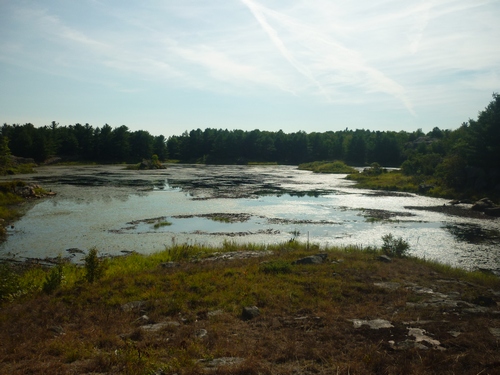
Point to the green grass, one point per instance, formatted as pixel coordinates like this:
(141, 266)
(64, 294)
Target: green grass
(162, 224)
(393, 180)
(327, 167)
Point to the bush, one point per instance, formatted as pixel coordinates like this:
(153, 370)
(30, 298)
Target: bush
(93, 266)
(396, 247)
(9, 282)
(54, 279)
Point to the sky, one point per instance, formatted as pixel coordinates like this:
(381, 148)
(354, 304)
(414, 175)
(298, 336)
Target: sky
(169, 66)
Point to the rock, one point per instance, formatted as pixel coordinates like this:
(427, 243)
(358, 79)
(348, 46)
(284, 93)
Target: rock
(388, 285)
(384, 258)
(482, 205)
(373, 324)
(407, 344)
(142, 319)
(201, 333)
(250, 312)
(134, 305)
(313, 259)
(217, 362)
(58, 330)
(159, 326)
(455, 333)
(495, 332)
(214, 313)
(420, 336)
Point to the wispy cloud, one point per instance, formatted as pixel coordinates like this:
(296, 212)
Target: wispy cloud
(321, 59)
(406, 56)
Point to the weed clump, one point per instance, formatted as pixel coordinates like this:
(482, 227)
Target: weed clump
(276, 267)
(396, 247)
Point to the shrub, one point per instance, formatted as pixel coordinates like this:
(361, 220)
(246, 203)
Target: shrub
(93, 266)
(396, 247)
(54, 279)
(9, 282)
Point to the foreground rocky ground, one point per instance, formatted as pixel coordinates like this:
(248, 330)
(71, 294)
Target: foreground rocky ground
(283, 311)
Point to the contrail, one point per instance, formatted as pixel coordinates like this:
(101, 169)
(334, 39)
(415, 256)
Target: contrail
(273, 35)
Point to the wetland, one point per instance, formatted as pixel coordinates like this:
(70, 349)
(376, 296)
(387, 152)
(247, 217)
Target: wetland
(119, 211)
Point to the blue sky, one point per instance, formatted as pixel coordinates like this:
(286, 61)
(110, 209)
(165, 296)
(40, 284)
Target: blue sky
(168, 66)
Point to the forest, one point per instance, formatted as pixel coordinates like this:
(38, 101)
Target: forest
(465, 158)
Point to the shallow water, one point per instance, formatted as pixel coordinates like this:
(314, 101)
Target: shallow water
(116, 211)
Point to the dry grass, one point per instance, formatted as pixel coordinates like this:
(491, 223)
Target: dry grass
(304, 326)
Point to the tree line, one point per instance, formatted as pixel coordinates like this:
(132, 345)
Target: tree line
(467, 157)
(82, 143)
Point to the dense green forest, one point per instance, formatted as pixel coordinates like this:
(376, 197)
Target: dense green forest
(467, 158)
(82, 143)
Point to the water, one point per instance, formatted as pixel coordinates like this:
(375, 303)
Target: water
(116, 210)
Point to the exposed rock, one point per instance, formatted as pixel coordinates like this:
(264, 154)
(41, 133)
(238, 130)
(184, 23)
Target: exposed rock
(142, 319)
(420, 337)
(232, 255)
(159, 326)
(134, 305)
(482, 204)
(384, 258)
(150, 164)
(215, 313)
(373, 324)
(58, 330)
(407, 344)
(201, 333)
(218, 362)
(312, 259)
(250, 312)
(388, 285)
(495, 332)
(487, 206)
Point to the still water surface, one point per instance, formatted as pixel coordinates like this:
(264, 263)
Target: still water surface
(116, 211)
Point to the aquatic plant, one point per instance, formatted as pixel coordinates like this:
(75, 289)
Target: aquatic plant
(162, 224)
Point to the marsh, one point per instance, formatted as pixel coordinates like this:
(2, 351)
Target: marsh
(118, 211)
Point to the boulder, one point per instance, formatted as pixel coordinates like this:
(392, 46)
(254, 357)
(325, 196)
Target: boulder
(250, 312)
(487, 206)
(482, 205)
(312, 259)
(385, 259)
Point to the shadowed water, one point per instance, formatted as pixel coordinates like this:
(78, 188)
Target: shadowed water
(118, 211)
